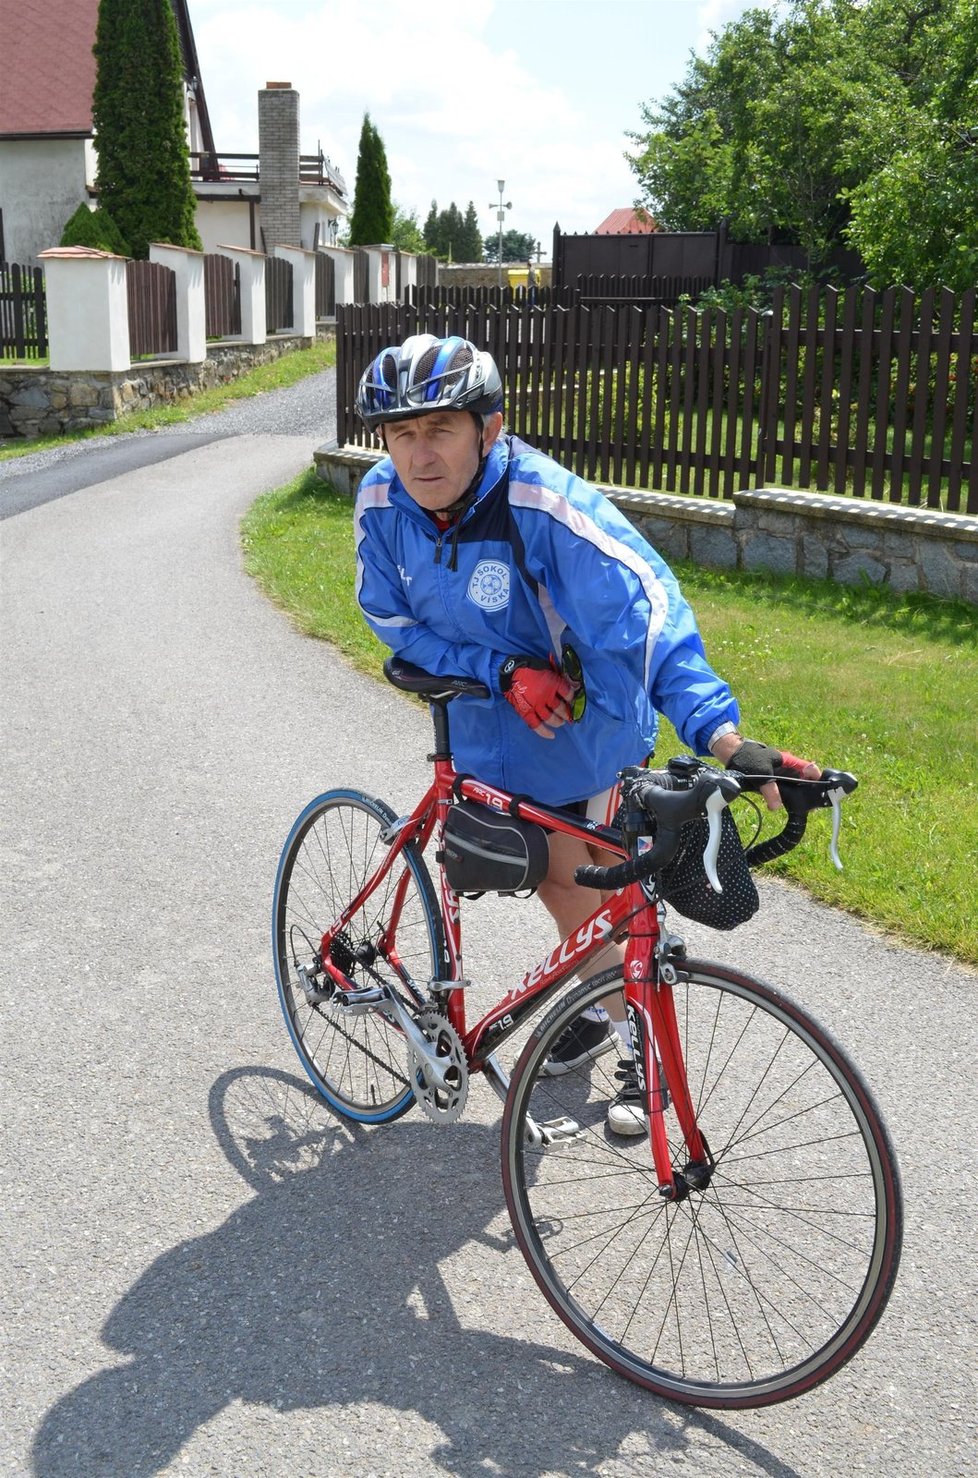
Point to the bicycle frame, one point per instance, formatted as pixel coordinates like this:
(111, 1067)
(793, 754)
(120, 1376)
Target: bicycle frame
(630, 914)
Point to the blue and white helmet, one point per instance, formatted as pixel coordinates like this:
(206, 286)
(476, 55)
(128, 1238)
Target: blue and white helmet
(425, 374)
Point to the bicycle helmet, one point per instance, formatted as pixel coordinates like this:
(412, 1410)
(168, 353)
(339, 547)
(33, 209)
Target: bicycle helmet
(426, 374)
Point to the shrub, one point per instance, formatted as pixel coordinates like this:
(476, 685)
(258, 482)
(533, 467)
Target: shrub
(94, 228)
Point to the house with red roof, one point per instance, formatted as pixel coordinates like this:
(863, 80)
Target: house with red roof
(48, 159)
(626, 221)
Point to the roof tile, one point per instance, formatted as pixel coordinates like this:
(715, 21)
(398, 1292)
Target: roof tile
(47, 74)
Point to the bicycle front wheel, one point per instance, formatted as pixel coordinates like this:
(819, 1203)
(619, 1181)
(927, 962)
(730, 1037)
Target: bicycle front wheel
(357, 1062)
(754, 1288)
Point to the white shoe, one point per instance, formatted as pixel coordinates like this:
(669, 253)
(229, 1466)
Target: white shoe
(626, 1115)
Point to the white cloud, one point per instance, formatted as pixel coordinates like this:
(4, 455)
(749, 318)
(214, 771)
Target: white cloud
(457, 103)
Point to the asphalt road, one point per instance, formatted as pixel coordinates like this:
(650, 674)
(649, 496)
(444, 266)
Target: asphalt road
(205, 1272)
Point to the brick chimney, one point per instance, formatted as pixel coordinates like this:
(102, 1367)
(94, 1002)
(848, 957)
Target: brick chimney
(278, 164)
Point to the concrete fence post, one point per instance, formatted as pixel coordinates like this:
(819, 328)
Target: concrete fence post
(253, 318)
(303, 288)
(188, 268)
(88, 308)
(343, 260)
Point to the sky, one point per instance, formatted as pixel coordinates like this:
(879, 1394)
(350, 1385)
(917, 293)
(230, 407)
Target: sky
(539, 93)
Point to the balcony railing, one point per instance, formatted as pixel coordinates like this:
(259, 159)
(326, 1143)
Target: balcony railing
(314, 169)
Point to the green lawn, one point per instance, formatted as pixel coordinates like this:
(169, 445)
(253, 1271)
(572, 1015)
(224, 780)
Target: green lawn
(878, 684)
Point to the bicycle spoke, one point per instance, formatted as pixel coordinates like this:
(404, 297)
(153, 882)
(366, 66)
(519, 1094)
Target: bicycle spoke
(755, 1286)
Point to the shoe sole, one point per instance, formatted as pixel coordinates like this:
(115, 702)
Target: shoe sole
(552, 1069)
(632, 1132)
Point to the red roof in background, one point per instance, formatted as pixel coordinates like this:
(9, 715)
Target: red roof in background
(47, 70)
(626, 222)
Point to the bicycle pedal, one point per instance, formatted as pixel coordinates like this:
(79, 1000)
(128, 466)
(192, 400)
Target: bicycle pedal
(558, 1131)
(361, 1000)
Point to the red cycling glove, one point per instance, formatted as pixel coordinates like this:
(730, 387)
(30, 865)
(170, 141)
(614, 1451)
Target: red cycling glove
(536, 689)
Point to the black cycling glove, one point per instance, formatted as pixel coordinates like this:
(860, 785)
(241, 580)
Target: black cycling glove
(753, 758)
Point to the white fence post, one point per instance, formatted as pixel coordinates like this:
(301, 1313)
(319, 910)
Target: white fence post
(343, 260)
(303, 288)
(254, 321)
(188, 269)
(88, 308)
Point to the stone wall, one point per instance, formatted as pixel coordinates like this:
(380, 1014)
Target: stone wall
(38, 401)
(785, 532)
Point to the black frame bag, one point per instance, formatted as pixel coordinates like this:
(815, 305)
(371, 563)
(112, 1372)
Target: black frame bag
(486, 851)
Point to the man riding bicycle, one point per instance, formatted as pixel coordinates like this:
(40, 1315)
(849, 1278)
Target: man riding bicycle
(478, 555)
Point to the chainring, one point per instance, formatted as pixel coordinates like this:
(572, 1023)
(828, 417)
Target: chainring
(441, 1105)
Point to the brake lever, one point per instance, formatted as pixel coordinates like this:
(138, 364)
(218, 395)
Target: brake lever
(715, 803)
(838, 784)
(835, 798)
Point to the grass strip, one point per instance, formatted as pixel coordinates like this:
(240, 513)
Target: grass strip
(278, 374)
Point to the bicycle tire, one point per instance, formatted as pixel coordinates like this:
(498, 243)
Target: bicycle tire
(754, 1289)
(358, 1062)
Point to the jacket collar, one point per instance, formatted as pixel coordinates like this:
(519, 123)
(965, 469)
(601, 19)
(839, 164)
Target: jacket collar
(495, 466)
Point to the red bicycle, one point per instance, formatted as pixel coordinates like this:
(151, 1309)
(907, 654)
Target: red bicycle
(742, 1250)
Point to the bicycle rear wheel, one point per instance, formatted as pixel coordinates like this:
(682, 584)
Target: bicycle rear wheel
(357, 1062)
(757, 1287)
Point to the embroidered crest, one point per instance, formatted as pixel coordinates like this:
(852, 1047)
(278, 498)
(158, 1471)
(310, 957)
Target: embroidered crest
(489, 586)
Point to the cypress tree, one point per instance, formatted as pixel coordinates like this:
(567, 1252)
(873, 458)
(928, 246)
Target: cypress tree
(143, 176)
(430, 233)
(372, 220)
(470, 248)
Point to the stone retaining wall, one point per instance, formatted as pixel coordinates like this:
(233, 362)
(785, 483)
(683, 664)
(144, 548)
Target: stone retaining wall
(38, 401)
(788, 533)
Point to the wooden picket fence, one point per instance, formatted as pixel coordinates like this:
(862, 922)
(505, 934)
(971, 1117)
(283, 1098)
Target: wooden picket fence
(869, 394)
(23, 312)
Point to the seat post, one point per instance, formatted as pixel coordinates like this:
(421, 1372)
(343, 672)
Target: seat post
(439, 717)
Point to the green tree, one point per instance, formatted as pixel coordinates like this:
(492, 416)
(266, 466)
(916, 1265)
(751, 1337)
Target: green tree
(143, 178)
(372, 220)
(430, 232)
(470, 245)
(405, 233)
(451, 236)
(913, 210)
(518, 246)
(94, 228)
(830, 123)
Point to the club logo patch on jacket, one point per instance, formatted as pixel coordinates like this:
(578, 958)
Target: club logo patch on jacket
(489, 585)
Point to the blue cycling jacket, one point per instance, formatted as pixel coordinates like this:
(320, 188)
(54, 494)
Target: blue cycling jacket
(543, 560)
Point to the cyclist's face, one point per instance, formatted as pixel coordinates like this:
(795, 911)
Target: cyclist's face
(437, 456)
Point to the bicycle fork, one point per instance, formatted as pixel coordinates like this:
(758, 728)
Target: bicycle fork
(659, 1063)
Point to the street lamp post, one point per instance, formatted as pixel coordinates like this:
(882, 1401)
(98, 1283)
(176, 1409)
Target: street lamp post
(501, 206)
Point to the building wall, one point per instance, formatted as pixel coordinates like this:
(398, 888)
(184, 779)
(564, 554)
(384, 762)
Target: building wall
(34, 218)
(225, 223)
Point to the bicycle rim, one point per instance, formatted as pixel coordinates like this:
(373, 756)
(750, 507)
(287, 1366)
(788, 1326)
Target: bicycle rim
(754, 1289)
(357, 1062)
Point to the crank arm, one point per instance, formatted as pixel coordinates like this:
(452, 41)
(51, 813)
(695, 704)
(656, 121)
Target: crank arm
(436, 1068)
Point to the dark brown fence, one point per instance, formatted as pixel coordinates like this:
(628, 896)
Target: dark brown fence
(699, 254)
(609, 288)
(152, 290)
(279, 313)
(23, 312)
(664, 291)
(222, 296)
(325, 286)
(862, 393)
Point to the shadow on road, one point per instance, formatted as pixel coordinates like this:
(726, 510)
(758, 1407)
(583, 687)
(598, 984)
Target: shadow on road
(323, 1291)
